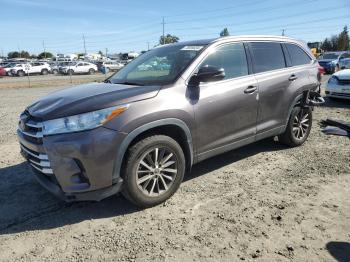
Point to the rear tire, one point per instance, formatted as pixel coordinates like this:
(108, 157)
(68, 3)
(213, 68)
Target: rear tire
(298, 127)
(154, 169)
(91, 71)
(44, 72)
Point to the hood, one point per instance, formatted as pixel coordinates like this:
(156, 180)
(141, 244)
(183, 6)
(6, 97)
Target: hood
(88, 97)
(343, 74)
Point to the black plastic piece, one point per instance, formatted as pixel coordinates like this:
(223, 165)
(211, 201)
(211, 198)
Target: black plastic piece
(311, 98)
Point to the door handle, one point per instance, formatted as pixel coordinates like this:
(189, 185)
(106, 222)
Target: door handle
(250, 89)
(293, 77)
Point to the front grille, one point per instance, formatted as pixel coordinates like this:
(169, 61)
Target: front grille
(31, 128)
(340, 94)
(344, 82)
(39, 161)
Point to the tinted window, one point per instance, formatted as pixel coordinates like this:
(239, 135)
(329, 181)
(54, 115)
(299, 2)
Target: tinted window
(346, 55)
(231, 57)
(267, 56)
(297, 55)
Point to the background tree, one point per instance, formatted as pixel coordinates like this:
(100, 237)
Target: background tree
(100, 53)
(45, 55)
(13, 54)
(168, 39)
(224, 32)
(343, 40)
(326, 45)
(25, 54)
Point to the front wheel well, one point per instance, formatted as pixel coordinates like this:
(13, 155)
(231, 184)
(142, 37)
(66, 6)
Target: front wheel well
(173, 131)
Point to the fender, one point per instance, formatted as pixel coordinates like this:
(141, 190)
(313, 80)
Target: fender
(130, 137)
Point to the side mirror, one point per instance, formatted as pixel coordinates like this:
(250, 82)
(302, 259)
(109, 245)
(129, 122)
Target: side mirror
(207, 74)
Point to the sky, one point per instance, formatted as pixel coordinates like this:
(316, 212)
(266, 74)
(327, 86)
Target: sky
(125, 25)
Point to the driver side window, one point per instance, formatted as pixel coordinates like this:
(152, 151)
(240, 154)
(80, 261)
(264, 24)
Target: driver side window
(231, 57)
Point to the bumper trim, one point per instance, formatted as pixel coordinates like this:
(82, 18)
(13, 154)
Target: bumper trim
(96, 195)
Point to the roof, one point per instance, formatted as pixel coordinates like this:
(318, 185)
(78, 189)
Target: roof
(237, 38)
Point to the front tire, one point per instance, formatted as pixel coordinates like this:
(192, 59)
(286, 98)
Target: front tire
(154, 170)
(298, 127)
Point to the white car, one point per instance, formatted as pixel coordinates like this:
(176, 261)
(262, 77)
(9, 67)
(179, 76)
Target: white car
(338, 85)
(112, 65)
(31, 68)
(79, 68)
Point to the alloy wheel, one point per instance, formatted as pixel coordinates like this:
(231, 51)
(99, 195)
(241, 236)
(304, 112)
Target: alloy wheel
(301, 124)
(156, 171)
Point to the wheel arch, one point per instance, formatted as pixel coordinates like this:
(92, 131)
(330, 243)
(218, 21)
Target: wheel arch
(172, 127)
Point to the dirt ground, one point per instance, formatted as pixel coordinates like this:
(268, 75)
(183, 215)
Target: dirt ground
(262, 202)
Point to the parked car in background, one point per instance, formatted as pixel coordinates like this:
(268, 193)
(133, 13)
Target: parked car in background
(138, 132)
(2, 72)
(338, 85)
(81, 67)
(55, 67)
(110, 65)
(31, 68)
(9, 67)
(330, 60)
(344, 63)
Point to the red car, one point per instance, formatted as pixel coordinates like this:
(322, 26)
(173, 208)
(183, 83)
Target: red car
(321, 70)
(2, 72)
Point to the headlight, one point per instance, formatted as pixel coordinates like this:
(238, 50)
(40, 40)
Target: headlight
(82, 122)
(333, 80)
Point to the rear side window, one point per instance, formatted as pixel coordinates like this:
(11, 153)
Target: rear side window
(297, 55)
(267, 56)
(230, 57)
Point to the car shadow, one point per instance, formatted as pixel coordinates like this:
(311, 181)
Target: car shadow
(336, 103)
(339, 250)
(26, 206)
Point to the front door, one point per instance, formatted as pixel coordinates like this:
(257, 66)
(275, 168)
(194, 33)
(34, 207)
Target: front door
(226, 110)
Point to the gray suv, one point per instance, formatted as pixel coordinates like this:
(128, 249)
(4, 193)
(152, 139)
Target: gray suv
(172, 107)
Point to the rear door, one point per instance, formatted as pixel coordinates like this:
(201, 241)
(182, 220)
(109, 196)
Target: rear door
(274, 80)
(226, 110)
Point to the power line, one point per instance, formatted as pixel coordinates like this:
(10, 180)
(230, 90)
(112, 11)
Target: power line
(270, 8)
(259, 20)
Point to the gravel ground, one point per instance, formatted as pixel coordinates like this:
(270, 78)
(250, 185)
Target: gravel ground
(263, 202)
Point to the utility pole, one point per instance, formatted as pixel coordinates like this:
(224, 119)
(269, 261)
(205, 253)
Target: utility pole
(147, 46)
(163, 23)
(44, 49)
(106, 52)
(282, 32)
(84, 44)
(19, 52)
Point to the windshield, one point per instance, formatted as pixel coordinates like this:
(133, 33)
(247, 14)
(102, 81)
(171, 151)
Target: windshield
(329, 56)
(158, 66)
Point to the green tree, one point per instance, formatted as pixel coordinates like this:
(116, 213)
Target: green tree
(224, 32)
(326, 45)
(100, 53)
(334, 43)
(168, 39)
(25, 54)
(45, 55)
(343, 40)
(13, 54)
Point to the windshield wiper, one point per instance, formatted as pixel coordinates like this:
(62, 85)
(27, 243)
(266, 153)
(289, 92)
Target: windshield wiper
(128, 83)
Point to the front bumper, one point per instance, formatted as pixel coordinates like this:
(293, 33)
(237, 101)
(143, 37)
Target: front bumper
(76, 166)
(338, 91)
